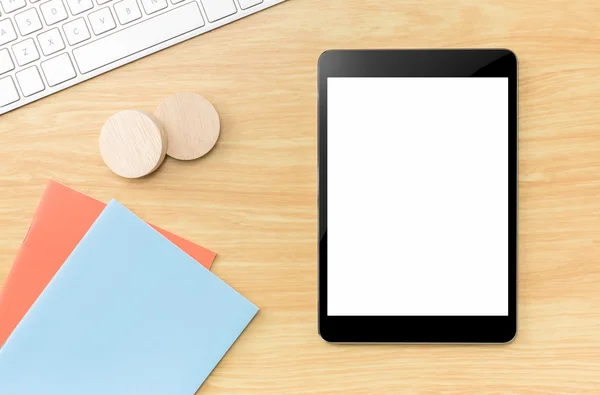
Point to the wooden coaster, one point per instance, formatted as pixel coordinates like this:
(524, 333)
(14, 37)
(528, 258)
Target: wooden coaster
(192, 125)
(133, 143)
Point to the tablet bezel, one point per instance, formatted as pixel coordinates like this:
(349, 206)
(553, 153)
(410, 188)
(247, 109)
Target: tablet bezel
(418, 63)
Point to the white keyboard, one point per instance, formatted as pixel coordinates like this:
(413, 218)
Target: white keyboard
(50, 45)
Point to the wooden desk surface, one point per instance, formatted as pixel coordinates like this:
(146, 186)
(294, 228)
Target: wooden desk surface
(253, 199)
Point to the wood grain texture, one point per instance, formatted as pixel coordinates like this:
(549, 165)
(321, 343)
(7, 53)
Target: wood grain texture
(253, 198)
(192, 125)
(133, 143)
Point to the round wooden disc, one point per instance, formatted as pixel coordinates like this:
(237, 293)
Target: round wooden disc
(133, 144)
(192, 125)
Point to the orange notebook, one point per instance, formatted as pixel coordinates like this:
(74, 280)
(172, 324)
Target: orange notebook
(61, 220)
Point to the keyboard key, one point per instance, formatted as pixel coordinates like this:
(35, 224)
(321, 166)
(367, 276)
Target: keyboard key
(245, 4)
(53, 11)
(102, 21)
(51, 42)
(6, 63)
(7, 32)
(176, 1)
(127, 11)
(30, 81)
(58, 69)
(79, 6)
(218, 9)
(25, 52)
(28, 21)
(76, 31)
(138, 37)
(8, 91)
(152, 6)
(12, 5)
(33, 1)
(100, 2)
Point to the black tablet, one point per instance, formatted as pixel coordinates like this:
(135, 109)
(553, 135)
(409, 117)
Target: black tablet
(418, 196)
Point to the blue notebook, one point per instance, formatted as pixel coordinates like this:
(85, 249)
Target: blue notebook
(128, 313)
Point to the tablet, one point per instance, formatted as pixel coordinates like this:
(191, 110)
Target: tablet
(418, 196)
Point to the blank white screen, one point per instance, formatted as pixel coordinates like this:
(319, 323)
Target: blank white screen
(417, 191)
